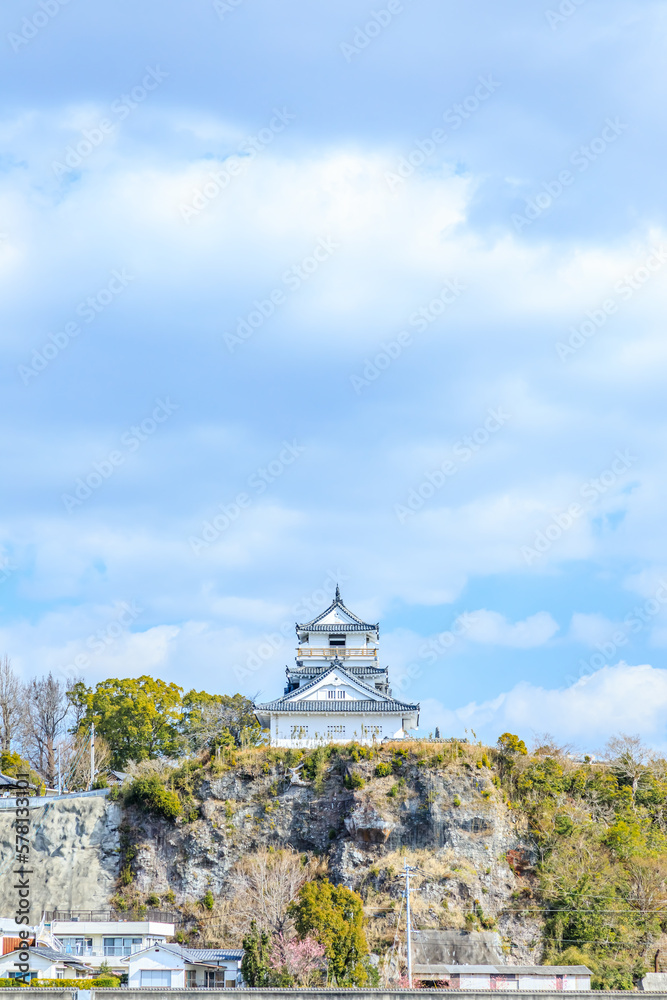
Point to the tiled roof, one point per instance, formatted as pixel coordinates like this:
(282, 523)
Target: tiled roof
(213, 954)
(292, 702)
(328, 707)
(334, 613)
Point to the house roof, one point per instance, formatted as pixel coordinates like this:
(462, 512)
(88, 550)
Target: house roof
(505, 970)
(51, 955)
(200, 956)
(6, 781)
(375, 703)
(337, 618)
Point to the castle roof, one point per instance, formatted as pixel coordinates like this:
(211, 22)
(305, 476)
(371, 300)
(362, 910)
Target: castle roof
(337, 618)
(369, 701)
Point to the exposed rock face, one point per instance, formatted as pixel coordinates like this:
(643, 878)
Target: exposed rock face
(366, 824)
(456, 820)
(74, 854)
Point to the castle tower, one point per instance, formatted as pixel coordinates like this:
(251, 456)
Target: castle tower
(337, 691)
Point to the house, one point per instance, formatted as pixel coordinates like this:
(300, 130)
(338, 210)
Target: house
(43, 963)
(107, 941)
(337, 691)
(171, 966)
(506, 977)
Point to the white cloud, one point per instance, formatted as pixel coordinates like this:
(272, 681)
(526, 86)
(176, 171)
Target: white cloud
(590, 629)
(614, 699)
(492, 628)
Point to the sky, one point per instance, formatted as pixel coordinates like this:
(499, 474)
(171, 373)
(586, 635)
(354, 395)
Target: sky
(301, 294)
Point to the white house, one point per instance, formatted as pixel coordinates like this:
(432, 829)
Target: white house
(107, 942)
(171, 966)
(43, 963)
(337, 691)
(506, 977)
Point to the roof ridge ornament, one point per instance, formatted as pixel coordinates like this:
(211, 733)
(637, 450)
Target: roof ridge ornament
(338, 599)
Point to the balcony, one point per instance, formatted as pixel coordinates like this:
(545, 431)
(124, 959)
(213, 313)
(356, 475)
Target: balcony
(329, 652)
(86, 951)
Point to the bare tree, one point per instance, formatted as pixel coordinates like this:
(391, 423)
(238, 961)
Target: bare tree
(630, 760)
(265, 883)
(47, 711)
(12, 705)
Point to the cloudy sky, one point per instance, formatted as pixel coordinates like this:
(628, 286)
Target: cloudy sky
(302, 293)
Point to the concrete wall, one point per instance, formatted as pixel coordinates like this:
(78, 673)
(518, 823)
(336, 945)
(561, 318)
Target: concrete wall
(129, 994)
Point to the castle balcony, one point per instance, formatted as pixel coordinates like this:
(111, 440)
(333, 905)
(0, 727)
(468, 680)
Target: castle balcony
(342, 652)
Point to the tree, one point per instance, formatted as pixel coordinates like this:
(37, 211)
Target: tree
(630, 761)
(255, 962)
(333, 915)
(138, 717)
(265, 883)
(215, 719)
(47, 711)
(297, 962)
(11, 705)
(508, 743)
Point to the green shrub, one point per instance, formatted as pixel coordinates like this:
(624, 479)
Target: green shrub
(208, 901)
(151, 795)
(382, 770)
(353, 781)
(456, 801)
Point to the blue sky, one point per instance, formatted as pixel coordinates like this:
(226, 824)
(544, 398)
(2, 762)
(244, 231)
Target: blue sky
(296, 293)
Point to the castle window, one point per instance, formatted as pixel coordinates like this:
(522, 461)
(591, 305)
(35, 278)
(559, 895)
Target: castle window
(336, 640)
(335, 730)
(335, 694)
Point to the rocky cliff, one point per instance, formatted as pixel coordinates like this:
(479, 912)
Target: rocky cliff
(447, 817)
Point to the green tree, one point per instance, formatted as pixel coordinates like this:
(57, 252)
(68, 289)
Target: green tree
(333, 915)
(211, 720)
(150, 794)
(257, 952)
(508, 743)
(138, 717)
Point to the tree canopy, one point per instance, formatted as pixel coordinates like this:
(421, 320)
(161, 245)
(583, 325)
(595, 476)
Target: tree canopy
(333, 915)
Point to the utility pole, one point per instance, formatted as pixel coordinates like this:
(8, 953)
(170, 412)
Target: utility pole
(407, 915)
(92, 754)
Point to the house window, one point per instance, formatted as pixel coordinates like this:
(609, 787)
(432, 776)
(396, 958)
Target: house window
(77, 945)
(190, 978)
(336, 640)
(156, 978)
(119, 946)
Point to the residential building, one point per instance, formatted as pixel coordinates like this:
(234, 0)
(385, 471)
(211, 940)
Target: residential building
(172, 966)
(45, 963)
(337, 691)
(505, 977)
(107, 939)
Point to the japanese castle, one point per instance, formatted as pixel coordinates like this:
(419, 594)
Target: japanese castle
(337, 691)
